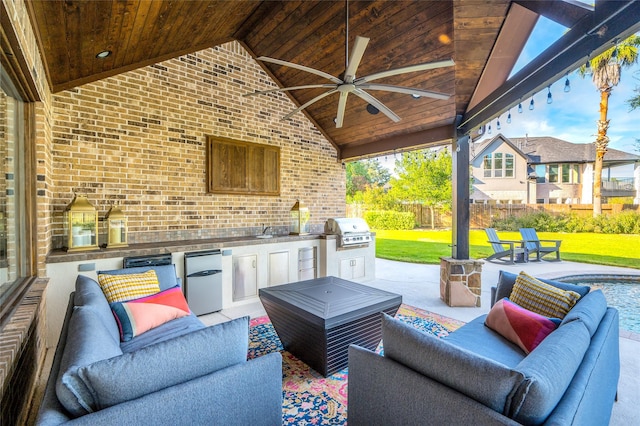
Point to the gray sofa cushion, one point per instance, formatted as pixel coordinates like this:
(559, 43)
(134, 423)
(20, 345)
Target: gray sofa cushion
(166, 274)
(88, 293)
(88, 341)
(549, 369)
(480, 339)
(480, 378)
(506, 280)
(166, 364)
(167, 331)
(590, 309)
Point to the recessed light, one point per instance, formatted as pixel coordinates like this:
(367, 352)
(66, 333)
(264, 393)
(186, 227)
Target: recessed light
(103, 54)
(415, 96)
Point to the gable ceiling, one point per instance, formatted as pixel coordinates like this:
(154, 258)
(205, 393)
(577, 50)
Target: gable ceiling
(312, 33)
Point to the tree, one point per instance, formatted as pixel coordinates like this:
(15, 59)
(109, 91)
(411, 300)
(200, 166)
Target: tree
(363, 174)
(424, 177)
(606, 69)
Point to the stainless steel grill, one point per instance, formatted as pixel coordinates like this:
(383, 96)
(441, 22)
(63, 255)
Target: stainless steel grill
(350, 231)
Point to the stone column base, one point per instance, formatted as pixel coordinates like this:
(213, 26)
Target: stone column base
(460, 281)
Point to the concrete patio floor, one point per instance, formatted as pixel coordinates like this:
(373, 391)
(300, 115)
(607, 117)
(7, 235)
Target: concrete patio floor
(419, 286)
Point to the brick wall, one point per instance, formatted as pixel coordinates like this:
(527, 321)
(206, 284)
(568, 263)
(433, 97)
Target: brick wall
(22, 348)
(139, 139)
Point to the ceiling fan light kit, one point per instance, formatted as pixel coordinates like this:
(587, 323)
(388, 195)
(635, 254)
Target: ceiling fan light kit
(350, 84)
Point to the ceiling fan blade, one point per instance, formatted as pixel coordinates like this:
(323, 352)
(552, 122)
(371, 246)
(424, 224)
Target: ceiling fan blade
(403, 89)
(285, 89)
(404, 70)
(301, 68)
(376, 103)
(356, 56)
(316, 99)
(342, 105)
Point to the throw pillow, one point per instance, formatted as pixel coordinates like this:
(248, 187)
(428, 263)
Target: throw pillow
(542, 298)
(166, 274)
(119, 288)
(518, 325)
(134, 317)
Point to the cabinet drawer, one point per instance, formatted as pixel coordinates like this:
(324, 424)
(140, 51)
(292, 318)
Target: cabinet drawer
(306, 263)
(307, 253)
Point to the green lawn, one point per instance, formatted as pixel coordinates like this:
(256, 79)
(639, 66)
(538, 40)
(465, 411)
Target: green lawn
(426, 246)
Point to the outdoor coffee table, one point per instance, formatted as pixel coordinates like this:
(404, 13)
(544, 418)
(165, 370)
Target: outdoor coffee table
(318, 319)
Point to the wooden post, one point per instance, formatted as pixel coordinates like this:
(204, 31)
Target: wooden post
(460, 187)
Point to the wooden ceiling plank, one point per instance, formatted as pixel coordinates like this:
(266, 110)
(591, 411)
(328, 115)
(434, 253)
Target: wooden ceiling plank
(515, 32)
(433, 137)
(137, 42)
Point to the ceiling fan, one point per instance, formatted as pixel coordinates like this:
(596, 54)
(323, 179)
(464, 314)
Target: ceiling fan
(349, 83)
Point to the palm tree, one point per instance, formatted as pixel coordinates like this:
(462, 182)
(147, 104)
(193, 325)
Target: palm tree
(605, 69)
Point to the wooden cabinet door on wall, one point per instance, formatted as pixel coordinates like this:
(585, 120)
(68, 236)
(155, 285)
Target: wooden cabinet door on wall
(237, 167)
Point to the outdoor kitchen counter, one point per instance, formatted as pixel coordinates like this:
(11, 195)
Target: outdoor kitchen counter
(146, 249)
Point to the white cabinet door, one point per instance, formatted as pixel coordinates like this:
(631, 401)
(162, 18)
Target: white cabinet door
(352, 268)
(278, 268)
(245, 277)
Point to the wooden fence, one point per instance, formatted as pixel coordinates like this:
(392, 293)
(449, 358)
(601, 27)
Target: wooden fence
(481, 215)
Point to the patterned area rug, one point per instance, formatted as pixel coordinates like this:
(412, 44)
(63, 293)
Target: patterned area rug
(310, 398)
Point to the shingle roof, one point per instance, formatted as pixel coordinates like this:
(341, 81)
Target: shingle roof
(547, 149)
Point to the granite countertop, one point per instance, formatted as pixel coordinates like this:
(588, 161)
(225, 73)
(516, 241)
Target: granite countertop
(59, 256)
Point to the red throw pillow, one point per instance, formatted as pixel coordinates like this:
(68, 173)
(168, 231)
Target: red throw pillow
(134, 317)
(519, 325)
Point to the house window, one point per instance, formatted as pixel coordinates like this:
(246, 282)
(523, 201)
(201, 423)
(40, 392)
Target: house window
(539, 200)
(15, 265)
(553, 173)
(487, 165)
(499, 165)
(541, 173)
(575, 173)
(566, 173)
(508, 165)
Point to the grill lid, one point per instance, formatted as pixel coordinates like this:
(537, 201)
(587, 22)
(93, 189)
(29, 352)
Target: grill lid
(346, 226)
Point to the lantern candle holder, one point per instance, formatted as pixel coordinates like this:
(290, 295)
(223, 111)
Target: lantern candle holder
(80, 223)
(299, 224)
(117, 228)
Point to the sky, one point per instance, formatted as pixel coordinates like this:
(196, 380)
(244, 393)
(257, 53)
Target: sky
(571, 116)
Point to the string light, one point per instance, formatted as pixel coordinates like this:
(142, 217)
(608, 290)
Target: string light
(509, 117)
(567, 85)
(520, 108)
(498, 126)
(549, 96)
(531, 106)
(489, 129)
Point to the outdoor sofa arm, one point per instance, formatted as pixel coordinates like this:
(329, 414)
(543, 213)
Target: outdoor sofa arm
(378, 396)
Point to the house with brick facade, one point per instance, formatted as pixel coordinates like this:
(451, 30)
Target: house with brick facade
(543, 170)
(119, 102)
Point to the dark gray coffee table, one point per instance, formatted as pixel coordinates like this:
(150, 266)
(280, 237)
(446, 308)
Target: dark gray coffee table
(318, 319)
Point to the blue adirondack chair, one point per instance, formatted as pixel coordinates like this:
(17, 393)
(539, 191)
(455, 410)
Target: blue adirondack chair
(535, 245)
(505, 248)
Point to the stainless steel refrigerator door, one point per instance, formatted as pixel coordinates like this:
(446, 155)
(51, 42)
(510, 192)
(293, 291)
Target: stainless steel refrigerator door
(203, 281)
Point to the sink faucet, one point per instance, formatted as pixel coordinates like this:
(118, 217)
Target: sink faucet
(265, 229)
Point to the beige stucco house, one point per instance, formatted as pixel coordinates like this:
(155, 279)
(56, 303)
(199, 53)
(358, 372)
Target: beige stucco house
(547, 170)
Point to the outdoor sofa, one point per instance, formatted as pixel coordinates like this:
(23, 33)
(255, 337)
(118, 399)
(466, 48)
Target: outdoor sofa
(477, 376)
(179, 372)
